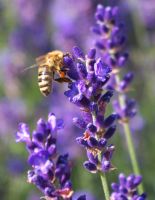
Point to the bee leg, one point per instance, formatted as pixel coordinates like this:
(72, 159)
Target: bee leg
(62, 74)
(53, 75)
(63, 80)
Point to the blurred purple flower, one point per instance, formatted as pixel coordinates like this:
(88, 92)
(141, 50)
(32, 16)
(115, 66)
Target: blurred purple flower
(127, 188)
(36, 37)
(147, 12)
(137, 123)
(128, 111)
(11, 63)
(72, 26)
(31, 11)
(30, 34)
(11, 111)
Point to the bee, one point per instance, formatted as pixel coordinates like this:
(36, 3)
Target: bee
(49, 65)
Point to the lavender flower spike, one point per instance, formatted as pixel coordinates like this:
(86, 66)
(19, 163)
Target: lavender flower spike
(127, 188)
(50, 172)
(87, 93)
(110, 42)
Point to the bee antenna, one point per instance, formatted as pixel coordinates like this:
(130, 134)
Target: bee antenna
(30, 67)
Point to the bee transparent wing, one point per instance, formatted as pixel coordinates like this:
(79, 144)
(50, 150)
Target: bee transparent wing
(41, 60)
(30, 67)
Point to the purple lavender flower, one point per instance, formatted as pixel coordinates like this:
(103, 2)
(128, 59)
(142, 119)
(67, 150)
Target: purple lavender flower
(86, 92)
(111, 38)
(48, 167)
(128, 111)
(127, 188)
(110, 42)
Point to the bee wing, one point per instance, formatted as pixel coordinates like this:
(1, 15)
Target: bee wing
(30, 67)
(41, 60)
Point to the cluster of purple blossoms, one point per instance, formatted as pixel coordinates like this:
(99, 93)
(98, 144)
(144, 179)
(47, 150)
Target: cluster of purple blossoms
(127, 188)
(86, 92)
(51, 172)
(110, 41)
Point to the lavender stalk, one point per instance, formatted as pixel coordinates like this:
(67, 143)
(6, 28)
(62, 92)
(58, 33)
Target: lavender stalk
(128, 136)
(86, 92)
(50, 171)
(111, 42)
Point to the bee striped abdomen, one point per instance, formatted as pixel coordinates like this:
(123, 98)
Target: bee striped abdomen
(45, 79)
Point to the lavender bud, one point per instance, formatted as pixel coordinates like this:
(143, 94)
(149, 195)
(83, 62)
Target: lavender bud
(109, 133)
(110, 120)
(115, 187)
(82, 142)
(100, 45)
(90, 166)
(122, 59)
(99, 17)
(108, 13)
(100, 8)
(83, 197)
(107, 96)
(122, 179)
(68, 60)
(106, 165)
(96, 30)
(92, 142)
(102, 143)
(91, 53)
(79, 123)
(78, 53)
(81, 70)
(138, 180)
(81, 100)
(91, 128)
(92, 158)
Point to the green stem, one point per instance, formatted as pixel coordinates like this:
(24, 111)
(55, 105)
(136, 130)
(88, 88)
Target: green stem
(104, 185)
(128, 137)
(102, 174)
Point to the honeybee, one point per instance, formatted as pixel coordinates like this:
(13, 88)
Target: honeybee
(48, 65)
